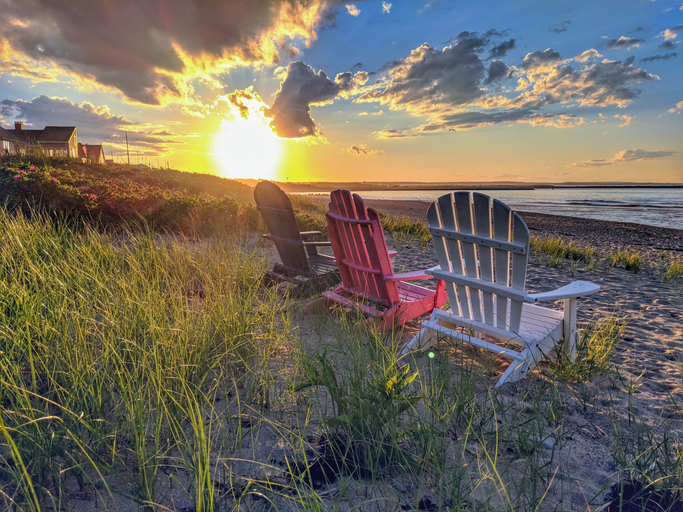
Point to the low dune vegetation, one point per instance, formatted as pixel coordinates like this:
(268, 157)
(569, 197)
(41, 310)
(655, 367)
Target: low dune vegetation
(143, 366)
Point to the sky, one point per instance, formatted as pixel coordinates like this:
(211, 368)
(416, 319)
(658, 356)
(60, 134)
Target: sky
(321, 90)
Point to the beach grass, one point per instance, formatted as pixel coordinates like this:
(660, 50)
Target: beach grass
(557, 250)
(147, 368)
(674, 270)
(631, 260)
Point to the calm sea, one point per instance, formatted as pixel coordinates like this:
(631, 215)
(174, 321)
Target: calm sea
(651, 206)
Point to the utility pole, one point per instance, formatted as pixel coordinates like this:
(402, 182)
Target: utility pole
(127, 152)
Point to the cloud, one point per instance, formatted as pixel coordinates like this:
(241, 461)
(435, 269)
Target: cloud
(150, 51)
(626, 120)
(627, 155)
(95, 124)
(446, 86)
(468, 120)
(386, 7)
(301, 88)
(668, 45)
(502, 49)
(353, 10)
(379, 113)
(430, 77)
(666, 56)
(394, 134)
(623, 42)
(363, 150)
(497, 70)
(671, 33)
(677, 109)
(560, 27)
(588, 54)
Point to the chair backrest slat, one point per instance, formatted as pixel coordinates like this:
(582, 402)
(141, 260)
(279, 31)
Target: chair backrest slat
(360, 248)
(501, 231)
(482, 216)
(446, 204)
(491, 246)
(463, 211)
(278, 215)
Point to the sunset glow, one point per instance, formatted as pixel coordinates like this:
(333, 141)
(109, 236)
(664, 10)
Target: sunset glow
(319, 90)
(247, 148)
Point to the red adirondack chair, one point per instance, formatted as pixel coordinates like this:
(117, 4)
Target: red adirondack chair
(368, 280)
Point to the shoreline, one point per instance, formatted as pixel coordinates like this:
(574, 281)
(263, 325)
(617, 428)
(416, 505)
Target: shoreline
(605, 235)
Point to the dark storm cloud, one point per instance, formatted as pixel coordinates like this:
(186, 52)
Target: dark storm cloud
(502, 49)
(143, 47)
(301, 88)
(623, 42)
(668, 46)
(497, 70)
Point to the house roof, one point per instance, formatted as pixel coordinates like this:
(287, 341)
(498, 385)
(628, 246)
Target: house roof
(94, 151)
(8, 135)
(57, 133)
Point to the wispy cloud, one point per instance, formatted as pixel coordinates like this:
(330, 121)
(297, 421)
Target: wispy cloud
(560, 27)
(627, 155)
(677, 109)
(626, 120)
(363, 150)
(665, 56)
(394, 134)
(623, 43)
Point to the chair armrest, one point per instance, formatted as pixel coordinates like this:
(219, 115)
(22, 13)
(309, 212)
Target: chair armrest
(392, 254)
(317, 244)
(309, 234)
(409, 276)
(570, 291)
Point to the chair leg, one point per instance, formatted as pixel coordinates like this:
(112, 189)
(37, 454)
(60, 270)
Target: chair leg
(516, 371)
(317, 306)
(422, 340)
(570, 332)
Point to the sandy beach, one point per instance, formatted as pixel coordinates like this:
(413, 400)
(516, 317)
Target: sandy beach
(648, 381)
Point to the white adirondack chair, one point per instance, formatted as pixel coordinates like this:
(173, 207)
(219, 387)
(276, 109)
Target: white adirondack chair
(482, 247)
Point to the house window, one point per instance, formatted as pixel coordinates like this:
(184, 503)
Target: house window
(5, 146)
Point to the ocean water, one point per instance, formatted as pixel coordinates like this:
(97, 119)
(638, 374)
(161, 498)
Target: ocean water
(661, 207)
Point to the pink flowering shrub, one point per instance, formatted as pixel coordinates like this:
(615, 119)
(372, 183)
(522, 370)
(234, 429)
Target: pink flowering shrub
(114, 196)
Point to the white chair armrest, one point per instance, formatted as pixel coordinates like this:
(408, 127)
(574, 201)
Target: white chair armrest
(570, 291)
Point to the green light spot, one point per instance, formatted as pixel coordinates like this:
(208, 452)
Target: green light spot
(431, 355)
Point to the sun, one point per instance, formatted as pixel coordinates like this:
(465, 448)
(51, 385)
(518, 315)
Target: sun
(247, 148)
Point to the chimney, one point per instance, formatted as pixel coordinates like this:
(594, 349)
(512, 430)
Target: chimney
(18, 126)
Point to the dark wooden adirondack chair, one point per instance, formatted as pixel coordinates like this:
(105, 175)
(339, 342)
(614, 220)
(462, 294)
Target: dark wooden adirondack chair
(301, 263)
(368, 280)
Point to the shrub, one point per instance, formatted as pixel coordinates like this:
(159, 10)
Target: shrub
(405, 226)
(630, 259)
(557, 249)
(115, 195)
(674, 270)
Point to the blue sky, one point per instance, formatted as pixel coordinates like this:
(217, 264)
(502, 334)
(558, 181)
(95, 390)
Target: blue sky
(376, 91)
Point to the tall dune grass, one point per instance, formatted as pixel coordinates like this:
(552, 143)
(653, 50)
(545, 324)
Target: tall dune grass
(110, 346)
